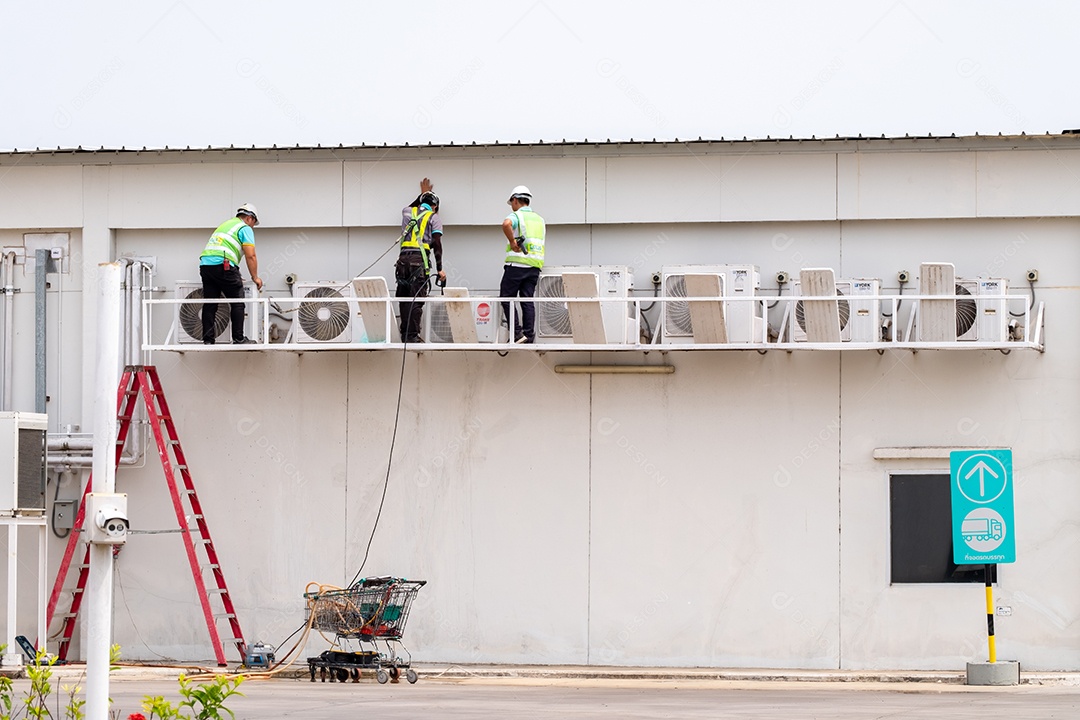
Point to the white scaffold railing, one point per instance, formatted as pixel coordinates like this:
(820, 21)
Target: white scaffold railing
(586, 324)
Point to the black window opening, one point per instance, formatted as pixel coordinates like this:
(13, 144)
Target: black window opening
(920, 530)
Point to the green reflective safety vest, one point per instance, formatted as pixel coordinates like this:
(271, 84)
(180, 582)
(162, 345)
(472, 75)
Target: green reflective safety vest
(415, 239)
(225, 242)
(531, 227)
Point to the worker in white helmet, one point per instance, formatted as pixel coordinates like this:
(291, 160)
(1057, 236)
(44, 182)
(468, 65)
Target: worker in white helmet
(524, 230)
(219, 267)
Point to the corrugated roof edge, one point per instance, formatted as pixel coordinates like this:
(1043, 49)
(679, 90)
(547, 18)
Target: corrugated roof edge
(520, 143)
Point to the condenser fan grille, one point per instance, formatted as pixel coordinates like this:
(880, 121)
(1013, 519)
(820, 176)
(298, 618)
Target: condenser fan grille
(843, 307)
(677, 313)
(552, 318)
(323, 320)
(966, 312)
(440, 323)
(191, 316)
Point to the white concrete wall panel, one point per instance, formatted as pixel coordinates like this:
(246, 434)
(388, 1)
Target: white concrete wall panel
(170, 195)
(703, 546)
(487, 500)
(756, 187)
(1007, 189)
(657, 189)
(290, 195)
(907, 185)
(31, 195)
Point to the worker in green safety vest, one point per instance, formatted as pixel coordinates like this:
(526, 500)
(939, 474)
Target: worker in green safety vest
(524, 230)
(421, 252)
(219, 267)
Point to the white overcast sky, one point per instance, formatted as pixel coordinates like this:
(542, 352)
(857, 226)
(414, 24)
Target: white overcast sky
(195, 73)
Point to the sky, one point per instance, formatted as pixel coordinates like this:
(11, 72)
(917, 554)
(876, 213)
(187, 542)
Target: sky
(216, 74)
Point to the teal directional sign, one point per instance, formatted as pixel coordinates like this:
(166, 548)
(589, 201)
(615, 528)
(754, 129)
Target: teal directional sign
(982, 507)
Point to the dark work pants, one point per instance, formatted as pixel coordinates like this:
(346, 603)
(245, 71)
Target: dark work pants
(520, 281)
(218, 282)
(412, 282)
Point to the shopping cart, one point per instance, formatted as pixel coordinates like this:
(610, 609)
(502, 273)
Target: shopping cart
(372, 610)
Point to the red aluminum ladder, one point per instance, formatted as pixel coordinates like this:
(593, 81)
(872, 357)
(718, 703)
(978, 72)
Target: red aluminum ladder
(142, 381)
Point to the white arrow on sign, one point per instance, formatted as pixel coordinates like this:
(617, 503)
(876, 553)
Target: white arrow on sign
(982, 468)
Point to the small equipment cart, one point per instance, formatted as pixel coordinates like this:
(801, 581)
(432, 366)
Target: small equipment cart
(372, 610)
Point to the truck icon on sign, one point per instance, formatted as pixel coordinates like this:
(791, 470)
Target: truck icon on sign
(981, 529)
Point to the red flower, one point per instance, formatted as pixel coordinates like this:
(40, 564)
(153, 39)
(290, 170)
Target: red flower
(136, 716)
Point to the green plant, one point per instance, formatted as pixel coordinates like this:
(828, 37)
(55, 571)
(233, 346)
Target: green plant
(202, 702)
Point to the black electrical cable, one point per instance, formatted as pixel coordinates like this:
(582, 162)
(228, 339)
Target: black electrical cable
(779, 292)
(1031, 305)
(393, 441)
(279, 646)
(885, 314)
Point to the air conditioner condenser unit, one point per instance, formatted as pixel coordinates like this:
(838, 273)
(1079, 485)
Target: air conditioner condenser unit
(743, 318)
(23, 453)
(486, 316)
(188, 316)
(858, 305)
(614, 283)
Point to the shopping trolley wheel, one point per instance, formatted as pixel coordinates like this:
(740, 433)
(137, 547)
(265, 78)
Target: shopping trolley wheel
(411, 676)
(342, 675)
(355, 673)
(382, 676)
(322, 675)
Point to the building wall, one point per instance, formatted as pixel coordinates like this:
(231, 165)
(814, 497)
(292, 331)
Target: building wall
(731, 514)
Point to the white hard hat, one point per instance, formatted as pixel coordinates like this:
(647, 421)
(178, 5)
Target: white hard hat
(248, 209)
(520, 190)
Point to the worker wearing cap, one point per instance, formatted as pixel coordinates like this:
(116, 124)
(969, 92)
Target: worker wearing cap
(421, 249)
(219, 267)
(524, 230)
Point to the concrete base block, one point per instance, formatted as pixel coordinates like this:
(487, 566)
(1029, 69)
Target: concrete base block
(1005, 672)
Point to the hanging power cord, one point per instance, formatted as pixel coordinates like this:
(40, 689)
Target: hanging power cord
(393, 440)
(408, 228)
(294, 653)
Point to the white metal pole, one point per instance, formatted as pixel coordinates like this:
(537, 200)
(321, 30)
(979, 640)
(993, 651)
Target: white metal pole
(12, 656)
(99, 589)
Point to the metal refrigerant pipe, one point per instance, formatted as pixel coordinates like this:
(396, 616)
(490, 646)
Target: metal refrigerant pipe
(9, 330)
(41, 268)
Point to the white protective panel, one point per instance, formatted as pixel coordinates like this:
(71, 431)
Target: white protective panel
(906, 185)
(41, 197)
(822, 316)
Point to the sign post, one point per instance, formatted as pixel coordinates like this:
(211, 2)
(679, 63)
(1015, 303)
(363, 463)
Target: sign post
(982, 516)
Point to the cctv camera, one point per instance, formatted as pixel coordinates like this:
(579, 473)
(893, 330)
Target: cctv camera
(108, 512)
